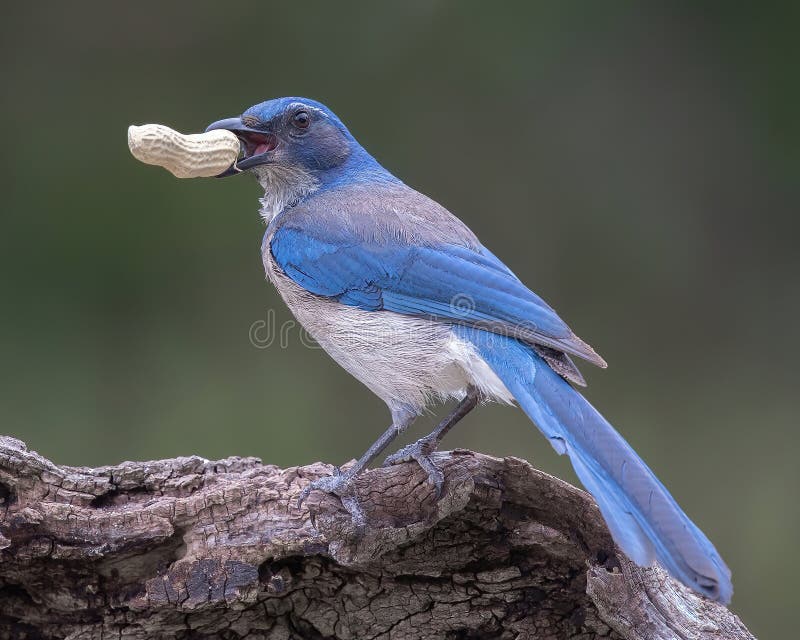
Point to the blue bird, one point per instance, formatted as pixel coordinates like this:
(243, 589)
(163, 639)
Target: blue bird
(405, 298)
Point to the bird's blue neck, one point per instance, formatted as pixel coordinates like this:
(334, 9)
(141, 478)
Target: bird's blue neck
(358, 168)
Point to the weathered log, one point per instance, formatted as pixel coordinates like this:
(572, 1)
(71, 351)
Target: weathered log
(189, 548)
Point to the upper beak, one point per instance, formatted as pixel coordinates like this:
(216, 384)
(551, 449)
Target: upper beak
(256, 143)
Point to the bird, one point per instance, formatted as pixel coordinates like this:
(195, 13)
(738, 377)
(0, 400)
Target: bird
(404, 297)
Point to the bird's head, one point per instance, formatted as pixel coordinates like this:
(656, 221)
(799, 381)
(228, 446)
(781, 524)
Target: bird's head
(294, 146)
(296, 134)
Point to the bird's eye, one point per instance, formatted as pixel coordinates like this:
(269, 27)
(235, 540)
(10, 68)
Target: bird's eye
(301, 119)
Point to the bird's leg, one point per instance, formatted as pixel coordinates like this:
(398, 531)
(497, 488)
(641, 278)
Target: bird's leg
(341, 483)
(422, 449)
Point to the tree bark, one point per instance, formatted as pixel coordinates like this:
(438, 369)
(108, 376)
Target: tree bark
(189, 548)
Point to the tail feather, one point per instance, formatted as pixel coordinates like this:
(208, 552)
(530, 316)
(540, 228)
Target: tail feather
(642, 516)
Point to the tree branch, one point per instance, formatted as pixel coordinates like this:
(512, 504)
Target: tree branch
(191, 549)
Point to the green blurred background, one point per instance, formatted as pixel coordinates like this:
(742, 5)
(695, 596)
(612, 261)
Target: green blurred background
(637, 165)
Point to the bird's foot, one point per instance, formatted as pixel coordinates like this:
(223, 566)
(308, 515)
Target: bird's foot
(339, 484)
(420, 451)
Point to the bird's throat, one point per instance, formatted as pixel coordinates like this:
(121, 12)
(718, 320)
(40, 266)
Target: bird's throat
(284, 186)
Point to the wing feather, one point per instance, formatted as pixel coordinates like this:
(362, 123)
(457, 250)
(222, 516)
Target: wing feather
(445, 281)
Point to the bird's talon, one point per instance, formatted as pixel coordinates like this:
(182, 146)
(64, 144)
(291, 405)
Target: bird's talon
(338, 483)
(397, 458)
(420, 452)
(350, 503)
(422, 448)
(437, 480)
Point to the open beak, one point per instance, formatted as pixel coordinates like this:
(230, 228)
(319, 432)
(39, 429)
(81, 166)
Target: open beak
(257, 145)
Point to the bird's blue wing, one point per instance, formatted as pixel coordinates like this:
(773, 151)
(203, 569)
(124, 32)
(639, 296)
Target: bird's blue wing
(444, 281)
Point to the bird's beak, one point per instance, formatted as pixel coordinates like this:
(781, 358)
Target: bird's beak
(257, 145)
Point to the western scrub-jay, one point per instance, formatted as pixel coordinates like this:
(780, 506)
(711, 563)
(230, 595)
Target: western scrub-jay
(404, 297)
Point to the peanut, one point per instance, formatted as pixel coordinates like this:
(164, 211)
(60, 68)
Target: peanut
(197, 155)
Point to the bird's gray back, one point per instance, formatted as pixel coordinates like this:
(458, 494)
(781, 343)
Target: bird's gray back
(381, 214)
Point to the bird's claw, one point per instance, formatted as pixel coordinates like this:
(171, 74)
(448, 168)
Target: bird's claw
(340, 485)
(337, 483)
(420, 452)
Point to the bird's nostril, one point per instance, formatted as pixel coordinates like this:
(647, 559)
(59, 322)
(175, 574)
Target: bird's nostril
(250, 121)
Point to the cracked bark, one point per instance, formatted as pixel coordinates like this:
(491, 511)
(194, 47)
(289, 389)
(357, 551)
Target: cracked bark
(189, 548)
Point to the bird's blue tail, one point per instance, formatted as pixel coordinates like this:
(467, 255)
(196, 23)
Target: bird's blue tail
(642, 516)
